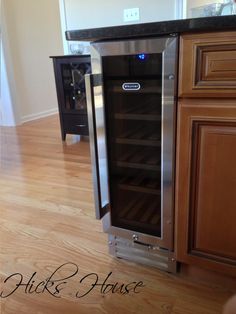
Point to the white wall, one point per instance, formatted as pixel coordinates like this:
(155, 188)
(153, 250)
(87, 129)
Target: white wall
(80, 14)
(33, 32)
(92, 13)
(7, 114)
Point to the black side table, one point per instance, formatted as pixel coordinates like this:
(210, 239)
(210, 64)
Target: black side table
(70, 84)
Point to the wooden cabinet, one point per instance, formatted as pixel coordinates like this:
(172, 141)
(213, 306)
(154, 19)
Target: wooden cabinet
(208, 65)
(206, 184)
(206, 169)
(69, 76)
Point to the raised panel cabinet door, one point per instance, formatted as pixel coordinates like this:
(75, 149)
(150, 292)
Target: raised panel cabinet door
(208, 65)
(206, 185)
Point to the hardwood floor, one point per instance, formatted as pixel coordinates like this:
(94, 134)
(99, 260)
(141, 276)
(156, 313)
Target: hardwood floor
(47, 219)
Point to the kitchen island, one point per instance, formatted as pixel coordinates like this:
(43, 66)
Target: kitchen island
(204, 202)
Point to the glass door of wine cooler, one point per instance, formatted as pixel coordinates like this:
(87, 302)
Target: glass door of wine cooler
(133, 117)
(132, 109)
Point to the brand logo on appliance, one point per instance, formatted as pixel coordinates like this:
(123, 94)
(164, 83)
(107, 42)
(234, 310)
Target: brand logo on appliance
(131, 86)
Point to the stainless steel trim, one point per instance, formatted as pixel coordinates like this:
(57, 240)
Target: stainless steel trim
(97, 146)
(168, 47)
(126, 47)
(168, 139)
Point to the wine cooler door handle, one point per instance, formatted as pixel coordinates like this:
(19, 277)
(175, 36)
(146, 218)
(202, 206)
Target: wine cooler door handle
(98, 149)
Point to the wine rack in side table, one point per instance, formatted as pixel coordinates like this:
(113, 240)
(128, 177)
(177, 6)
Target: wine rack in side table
(69, 77)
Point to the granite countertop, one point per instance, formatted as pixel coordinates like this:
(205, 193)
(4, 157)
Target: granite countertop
(70, 56)
(212, 23)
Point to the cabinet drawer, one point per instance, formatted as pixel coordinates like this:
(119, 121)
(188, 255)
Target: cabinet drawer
(75, 124)
(208, 65)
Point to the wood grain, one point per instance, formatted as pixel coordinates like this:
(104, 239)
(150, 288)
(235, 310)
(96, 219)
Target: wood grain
(208, 65)
(206, 185)
(47, 219)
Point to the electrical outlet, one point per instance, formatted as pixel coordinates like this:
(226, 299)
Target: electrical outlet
(131, 14)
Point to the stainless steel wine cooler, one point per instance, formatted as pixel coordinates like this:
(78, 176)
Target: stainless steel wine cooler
(131, 110)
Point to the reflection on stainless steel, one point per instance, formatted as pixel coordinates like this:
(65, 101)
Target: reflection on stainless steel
(168, 131)
(97, 144)
(167, 48)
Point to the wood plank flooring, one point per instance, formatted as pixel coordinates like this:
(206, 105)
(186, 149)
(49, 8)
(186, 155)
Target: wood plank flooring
(47, 219)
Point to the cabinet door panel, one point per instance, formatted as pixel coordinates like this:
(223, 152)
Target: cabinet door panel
(206, 186)
(208, 65)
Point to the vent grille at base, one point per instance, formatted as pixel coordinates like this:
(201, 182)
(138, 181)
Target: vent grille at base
(142, 253)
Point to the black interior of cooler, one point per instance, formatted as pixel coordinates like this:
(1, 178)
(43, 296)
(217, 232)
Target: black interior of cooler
(133, 110)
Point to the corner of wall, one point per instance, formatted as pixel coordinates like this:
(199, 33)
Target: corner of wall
(10, 113)
(63, 21)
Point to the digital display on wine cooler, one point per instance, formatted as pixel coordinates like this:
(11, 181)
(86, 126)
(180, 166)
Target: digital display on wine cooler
(142, 56)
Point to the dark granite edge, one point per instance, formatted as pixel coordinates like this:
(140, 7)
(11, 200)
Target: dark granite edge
(154, 28)
(71, 56)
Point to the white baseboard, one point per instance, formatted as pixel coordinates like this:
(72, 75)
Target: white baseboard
(42, 114)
